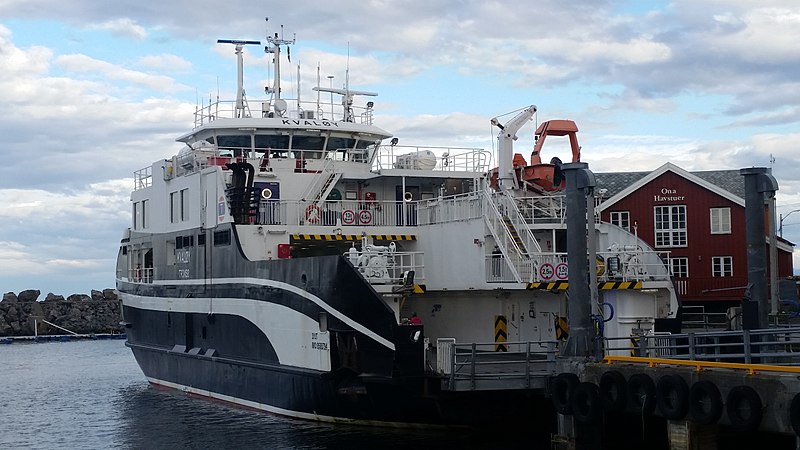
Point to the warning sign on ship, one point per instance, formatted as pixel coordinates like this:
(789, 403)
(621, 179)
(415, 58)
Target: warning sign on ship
(348, 217)
(546, 272)
(562, 271)
(365, 217)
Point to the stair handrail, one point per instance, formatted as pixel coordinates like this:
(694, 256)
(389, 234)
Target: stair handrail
(494, 221)
(318, 182)
(520, 224)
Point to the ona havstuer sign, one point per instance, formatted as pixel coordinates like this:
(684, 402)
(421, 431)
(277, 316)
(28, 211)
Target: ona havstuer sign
(668, 195)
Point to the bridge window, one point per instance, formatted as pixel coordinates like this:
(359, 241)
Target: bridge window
(235, 144)
(308, 147)
(278, 146)
(670, 226)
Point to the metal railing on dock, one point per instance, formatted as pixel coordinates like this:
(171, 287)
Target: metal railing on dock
(479, 366)
(778, 346)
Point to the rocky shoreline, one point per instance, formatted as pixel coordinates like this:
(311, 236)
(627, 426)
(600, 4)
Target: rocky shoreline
(96, 313)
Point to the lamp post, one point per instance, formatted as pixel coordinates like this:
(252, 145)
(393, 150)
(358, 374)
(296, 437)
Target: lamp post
(780, 228)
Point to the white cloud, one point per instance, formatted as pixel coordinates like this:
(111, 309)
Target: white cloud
(85, 64)
(165, 62)
(122, 27)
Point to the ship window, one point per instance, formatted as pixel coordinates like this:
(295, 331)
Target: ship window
(184, 204)
(323, 322)
(222, 237)
(277, 145)
(722, 266)
(720, 221)
(203, 332)
(124, 250)
(172, 205)
(188, 241)
(308, 147)
(234, 143)
(145, 207)
(178, 243)
(201, 239)
(136, 215)
(680, 267)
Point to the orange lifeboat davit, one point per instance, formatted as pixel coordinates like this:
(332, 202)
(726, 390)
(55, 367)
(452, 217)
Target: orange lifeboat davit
(547, 176)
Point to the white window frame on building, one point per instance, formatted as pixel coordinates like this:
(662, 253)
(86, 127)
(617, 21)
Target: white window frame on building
(621, 219)
(720, 220)
(670, 226)
(679, 266)
(722, 266)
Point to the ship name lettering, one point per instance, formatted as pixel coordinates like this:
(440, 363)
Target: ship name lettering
(182, 257)
(311, 123)
(320, 345)
(183, 273)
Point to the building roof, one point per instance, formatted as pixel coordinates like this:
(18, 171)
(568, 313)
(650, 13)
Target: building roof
(729, 181)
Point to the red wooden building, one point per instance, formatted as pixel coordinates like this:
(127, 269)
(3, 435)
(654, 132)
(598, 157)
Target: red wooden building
(699, 218)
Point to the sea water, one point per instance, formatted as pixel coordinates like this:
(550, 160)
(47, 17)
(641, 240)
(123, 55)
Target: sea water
(92, 395)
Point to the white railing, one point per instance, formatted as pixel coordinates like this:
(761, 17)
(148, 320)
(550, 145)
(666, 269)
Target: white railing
(384, 265)
(449, 209)
(325, 110)
(512, 253)
(508, 207)
(141, 275)
(445, 158)
(143, 178)
(547, 209)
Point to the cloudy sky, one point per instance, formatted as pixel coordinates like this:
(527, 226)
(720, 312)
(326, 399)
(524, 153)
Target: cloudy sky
(91, 91)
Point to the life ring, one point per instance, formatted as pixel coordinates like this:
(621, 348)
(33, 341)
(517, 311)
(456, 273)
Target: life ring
(672, 397)
(313, 214)
(613, 391)
(561, 388)
(744, 408)
(794, 414)
(586, 404)
(641, 393)
(705, 403)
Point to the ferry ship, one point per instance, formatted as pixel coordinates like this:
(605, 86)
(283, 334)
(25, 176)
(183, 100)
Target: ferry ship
(295, 258)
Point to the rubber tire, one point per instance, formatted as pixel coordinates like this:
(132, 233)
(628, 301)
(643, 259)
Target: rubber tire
(672, 397)
(561, 388)
(641, 394)
(613, 391)
(585, 402)
(794, 414)
(701, 393)
(745, 396)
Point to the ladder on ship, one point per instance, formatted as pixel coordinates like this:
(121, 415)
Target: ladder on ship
(322, 185)
(511, 232)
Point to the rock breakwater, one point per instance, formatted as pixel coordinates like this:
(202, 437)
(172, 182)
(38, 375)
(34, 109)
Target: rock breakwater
(98, 312)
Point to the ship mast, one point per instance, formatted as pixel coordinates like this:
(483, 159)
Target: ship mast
(274, 46)
(240, 107)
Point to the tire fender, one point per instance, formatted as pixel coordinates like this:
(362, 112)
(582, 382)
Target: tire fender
(672, 397)
(794, 414)
(641, 394)
(585, 402)
(705, 403)
(744, 408)
(613, 391)
(561, 388)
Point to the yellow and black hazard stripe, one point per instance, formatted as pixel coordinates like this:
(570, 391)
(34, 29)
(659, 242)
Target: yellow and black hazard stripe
(563, 285)
(393, 237)
(562, 328)
(352, 237)
(500, 334)
(548, 285)
(609, 285)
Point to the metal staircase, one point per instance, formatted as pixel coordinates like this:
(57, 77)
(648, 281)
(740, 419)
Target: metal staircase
(511, 232)
(322, 185)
